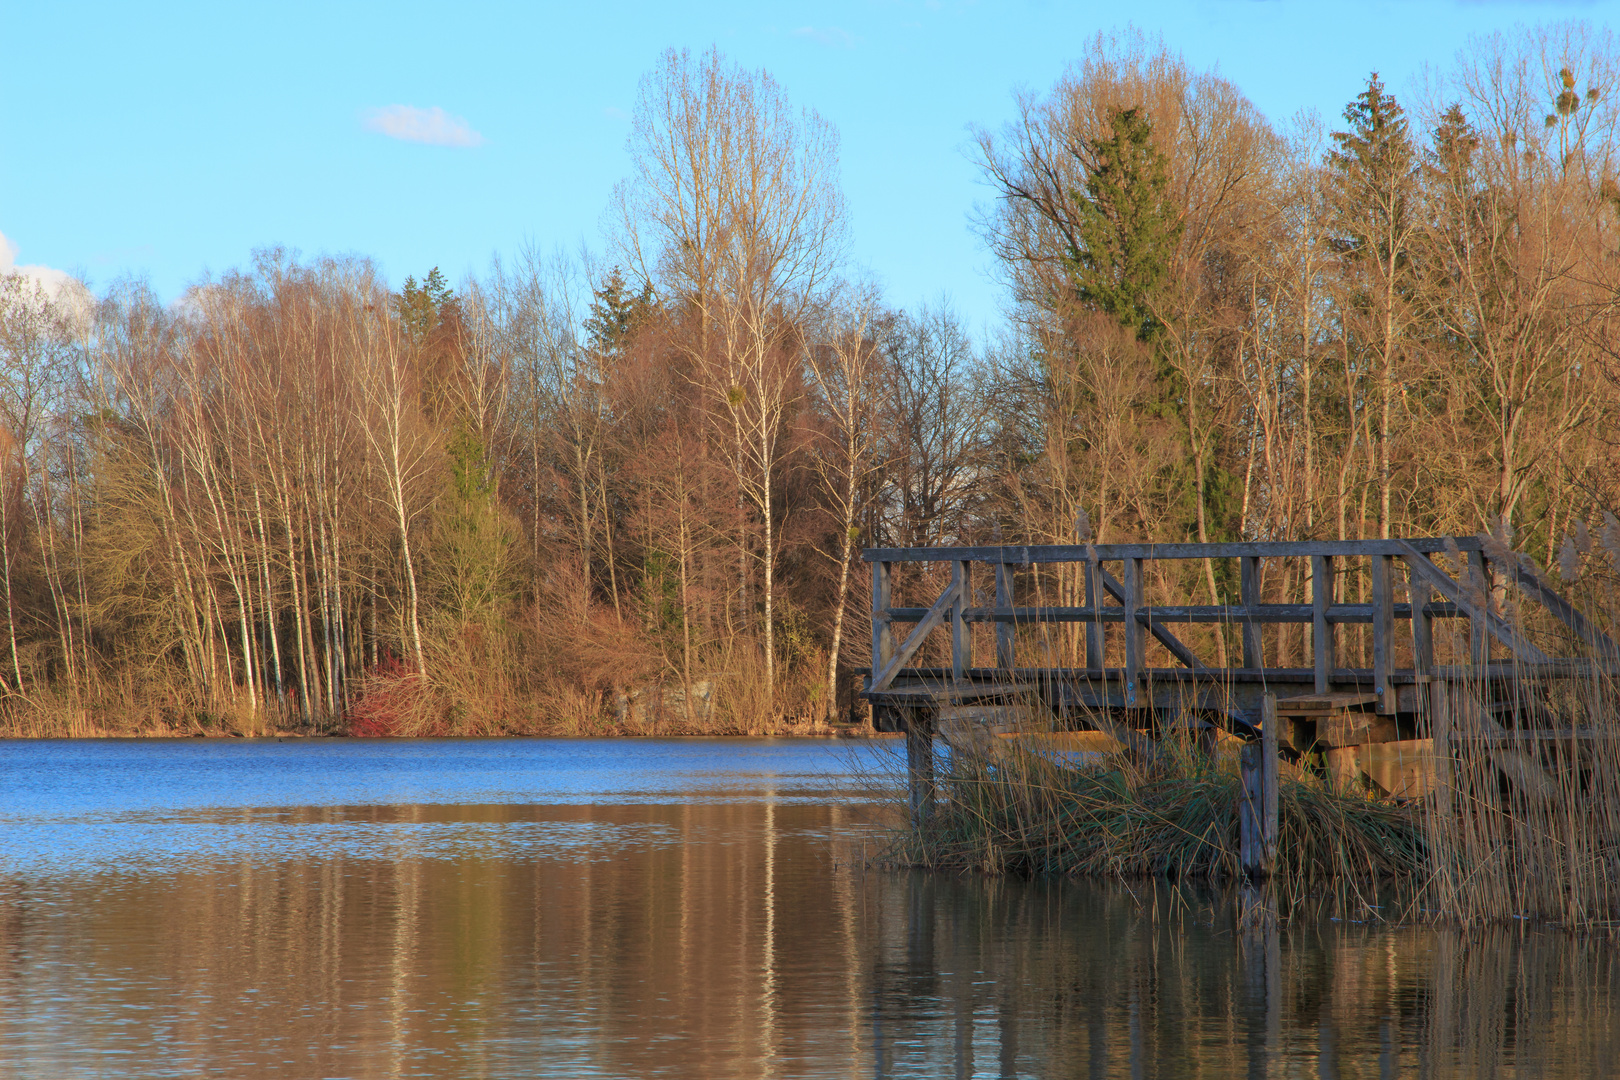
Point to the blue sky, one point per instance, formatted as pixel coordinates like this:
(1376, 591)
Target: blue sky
(170, 140)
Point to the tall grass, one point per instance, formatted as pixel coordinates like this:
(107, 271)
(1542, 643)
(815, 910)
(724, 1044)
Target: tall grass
(1027, 812)
(1521, 820)
(1524, 823)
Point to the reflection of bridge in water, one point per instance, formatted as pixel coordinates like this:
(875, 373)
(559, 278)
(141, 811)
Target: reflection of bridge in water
(1111, 657)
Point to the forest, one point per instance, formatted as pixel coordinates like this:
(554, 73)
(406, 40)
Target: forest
(629, 493)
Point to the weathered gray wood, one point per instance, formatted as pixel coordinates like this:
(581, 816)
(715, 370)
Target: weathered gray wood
(1422, 634)
(1005, 631)
(1479, 641)
(1479, 617)
(1160, 634)
(1383, 600)
(961, 644)
(1031, 554)
(1249, 593)
(929, 623)
(1270, 809)
(1321, 625)
(1095, 642)
(1221, 615)
(882, 632)
(1130, 601)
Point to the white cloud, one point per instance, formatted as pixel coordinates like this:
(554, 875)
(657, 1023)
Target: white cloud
(54, 287)
(830, 36)
(432, 126)
(51, 280)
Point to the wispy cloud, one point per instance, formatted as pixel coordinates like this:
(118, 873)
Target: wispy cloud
(830, 36)
(434, 126)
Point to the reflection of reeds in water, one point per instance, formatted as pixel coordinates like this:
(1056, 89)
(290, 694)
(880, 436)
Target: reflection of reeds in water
(1081, 979)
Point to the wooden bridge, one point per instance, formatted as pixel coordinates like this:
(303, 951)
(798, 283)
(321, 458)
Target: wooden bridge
(1111, 658)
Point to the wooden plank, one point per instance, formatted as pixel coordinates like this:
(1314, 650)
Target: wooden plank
(1096, 644)
(1257, 803)
(1354, 728)
(1130, 600)
(1479, 617)
(1249, 593)
(914, 640)
(1321, 626)
(1383, 599)
(961, 644)
(882, 631)
(1026, 555)
(1208, 614)
(1422, 635)
(1005, 631)
(1311, 704)
(1479, 642)
(1405, 770)
(1270, 809)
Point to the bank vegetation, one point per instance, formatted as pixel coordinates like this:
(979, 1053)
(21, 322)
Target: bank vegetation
(629, 495)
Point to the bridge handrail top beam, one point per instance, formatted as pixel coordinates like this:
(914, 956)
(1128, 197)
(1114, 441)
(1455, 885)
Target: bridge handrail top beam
(1020, 554)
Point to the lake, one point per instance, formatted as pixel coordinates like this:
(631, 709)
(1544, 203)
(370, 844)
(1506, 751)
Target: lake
(673, 908)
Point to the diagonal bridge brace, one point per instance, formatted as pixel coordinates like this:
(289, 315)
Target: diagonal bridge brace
(1144, 615)
(930, 622)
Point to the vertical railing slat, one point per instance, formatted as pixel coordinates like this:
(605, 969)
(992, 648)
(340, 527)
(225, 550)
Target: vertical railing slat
(1422, 639)
(961, 646)
(882, 631)
(1383, 605)
(1004, 630)
(1249, 594)
(1094, 629)
(1133, 630)
(1322, 651)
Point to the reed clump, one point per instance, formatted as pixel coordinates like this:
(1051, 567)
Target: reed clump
(1020, 811)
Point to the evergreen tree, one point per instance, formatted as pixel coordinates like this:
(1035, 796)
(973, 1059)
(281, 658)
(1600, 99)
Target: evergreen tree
(617, 312)
(421, 306)
(1128, 228)
(1374, 166)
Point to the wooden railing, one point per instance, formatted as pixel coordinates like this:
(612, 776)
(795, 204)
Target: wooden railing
(1435, 594)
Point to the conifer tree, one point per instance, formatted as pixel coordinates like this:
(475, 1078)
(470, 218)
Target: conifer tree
(1128, 228)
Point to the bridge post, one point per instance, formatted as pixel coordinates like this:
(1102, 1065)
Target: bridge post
(1321, 630)
(1004, 630)
(882, 632)
(1249, 593)
(1133, 629)
(920, 765)
(1383, 613)
(1422, 638)
(961, 645)
(1258, 811)
(1094, 628)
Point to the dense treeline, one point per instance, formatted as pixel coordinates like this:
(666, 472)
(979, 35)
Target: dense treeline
(571, 498)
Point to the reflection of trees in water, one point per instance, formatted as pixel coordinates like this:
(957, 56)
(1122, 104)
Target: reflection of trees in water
(717, 941)
(1002, 978)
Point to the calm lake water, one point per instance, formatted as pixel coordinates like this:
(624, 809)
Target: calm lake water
(690, 908)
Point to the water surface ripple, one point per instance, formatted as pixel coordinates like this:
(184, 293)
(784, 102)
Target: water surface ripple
(675, 908)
